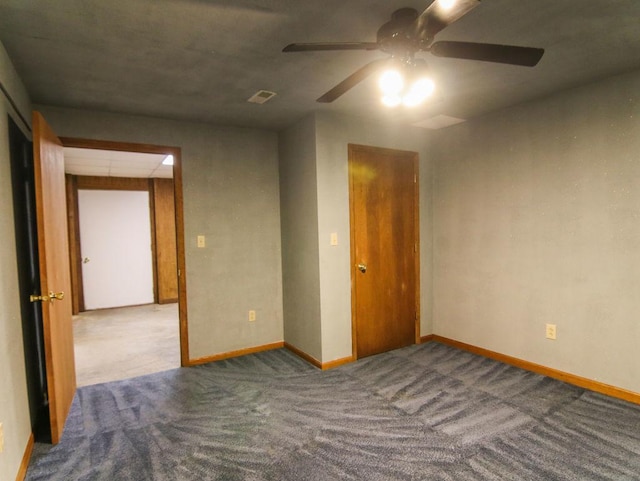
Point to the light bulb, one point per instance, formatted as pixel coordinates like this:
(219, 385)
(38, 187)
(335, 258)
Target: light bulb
(419, 92)
(391, 82)
(447, 4)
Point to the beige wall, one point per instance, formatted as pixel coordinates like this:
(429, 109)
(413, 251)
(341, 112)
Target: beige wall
(231, 195)
(14, 406)
(315, 187)
(333, 134)
(299, 219)
(537, 220)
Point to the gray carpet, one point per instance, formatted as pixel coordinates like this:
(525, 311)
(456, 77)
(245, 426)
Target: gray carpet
(427, 412)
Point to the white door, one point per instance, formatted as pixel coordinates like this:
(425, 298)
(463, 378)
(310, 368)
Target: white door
(115, 238)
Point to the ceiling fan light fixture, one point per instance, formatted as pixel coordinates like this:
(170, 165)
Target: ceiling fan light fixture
(447, 4)
(391, 82)
(409, 86)
(420, 91)
(392, 100)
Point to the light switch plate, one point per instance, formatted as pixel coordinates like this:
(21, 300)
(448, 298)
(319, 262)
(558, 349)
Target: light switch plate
(334, 238)
(201, 241)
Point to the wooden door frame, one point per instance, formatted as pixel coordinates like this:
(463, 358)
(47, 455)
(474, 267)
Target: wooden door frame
(179, 213)
(74, 183)
(354, 270)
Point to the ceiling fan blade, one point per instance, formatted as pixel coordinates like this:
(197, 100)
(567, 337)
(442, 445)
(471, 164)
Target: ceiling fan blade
(440, 14)
(488, 52)
(352, 80)
(316, 47)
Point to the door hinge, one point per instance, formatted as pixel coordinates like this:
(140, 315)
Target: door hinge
(415, 178)
(415, 248)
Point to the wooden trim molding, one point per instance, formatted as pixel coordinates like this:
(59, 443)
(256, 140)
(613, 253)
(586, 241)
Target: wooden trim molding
(337, 363)
(307, 357)
(24, 465)
(238, 353)
(312, 360)
(179, 214)
(90, 182)
(75, 259)
(579, 381)
(425, 339)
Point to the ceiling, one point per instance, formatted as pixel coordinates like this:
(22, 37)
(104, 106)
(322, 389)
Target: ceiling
(111, 163)
(200, 60)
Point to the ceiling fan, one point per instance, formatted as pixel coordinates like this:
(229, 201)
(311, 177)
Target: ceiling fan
(408, 33)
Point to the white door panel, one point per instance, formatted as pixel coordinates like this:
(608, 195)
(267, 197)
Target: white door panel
(115, 237)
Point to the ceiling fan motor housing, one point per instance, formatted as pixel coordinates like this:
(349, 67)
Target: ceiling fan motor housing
(397, 35)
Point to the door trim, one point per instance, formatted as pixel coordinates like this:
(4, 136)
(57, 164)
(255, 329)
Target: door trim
(74, 183)
(179, 205)
(353, 269)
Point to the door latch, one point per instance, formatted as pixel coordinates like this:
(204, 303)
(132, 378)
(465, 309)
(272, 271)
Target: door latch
(51, 297)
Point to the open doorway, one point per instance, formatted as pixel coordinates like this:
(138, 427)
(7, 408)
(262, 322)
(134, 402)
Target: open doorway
(125, 232)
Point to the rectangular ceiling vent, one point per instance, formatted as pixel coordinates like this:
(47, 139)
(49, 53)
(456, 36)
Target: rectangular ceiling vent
(438, 122)
(261, 96)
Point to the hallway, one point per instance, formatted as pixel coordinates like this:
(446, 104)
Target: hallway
(114, 344)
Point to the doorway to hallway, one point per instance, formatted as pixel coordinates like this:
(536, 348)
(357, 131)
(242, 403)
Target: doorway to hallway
(120, 338)
(121, 343)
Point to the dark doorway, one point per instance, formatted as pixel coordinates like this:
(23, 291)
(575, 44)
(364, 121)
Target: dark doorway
(22, 176)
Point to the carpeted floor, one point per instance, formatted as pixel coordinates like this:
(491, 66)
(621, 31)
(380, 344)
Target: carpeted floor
(426, 412)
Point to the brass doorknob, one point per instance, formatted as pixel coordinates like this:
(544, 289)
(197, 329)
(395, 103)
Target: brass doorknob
(51, 297)
(34, 298)
(362, 268)
(56, 295)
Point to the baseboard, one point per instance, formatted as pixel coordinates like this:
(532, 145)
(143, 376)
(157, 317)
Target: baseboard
(425, 339)
(24, 465)
(312, 360)
(172, 300)
(307, 357)
(337, 363)
(240, 352)
(579, 381)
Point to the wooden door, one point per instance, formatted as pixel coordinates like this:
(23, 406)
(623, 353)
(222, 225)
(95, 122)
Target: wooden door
(55, 283)
(384, 248)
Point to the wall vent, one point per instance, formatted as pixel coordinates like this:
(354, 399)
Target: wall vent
(438, 122)
(261, 96)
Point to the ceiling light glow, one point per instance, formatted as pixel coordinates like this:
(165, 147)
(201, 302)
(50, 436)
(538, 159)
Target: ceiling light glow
(447, 4)
(392, 100)
(420, 91)
(411, 93)
(391, 82)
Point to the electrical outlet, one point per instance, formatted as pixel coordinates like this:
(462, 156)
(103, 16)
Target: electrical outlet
(551, 331)
(252, 316)
(1, 438)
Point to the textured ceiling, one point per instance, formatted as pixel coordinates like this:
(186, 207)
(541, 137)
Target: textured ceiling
(201, 60)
